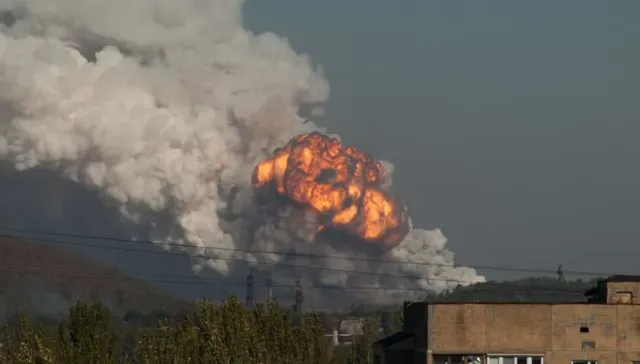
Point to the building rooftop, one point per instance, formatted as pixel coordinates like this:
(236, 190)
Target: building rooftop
(351, 326)
(622, 278)
(555, 303)
(393, 338)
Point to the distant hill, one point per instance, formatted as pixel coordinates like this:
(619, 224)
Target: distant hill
(43, 279)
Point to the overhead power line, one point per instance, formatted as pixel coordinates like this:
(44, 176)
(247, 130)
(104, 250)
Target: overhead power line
(282, 253)
(168, 279)
(173, 279)
(38, 271)
(258, 263)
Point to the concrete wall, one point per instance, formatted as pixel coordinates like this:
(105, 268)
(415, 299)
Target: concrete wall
(606, 333)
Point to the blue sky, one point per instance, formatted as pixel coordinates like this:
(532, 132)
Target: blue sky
(513, 126)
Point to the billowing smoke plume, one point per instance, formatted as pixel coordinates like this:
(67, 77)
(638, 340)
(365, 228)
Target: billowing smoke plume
(165, 107)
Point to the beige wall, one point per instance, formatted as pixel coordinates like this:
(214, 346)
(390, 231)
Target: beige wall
(554, 330)
(615, 288)
(458, 328)
(517, 328)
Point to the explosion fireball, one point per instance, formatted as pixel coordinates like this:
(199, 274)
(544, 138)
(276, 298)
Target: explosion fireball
(163, 109)
(343, 185)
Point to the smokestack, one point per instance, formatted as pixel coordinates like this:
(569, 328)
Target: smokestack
(335, 337)
(249, 302)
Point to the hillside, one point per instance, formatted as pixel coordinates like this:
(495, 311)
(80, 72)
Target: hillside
(44, 279)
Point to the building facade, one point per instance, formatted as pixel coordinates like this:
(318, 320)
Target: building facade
(605, 329)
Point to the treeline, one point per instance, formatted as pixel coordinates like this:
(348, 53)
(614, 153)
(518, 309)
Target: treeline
(530, 289)
(225, 333)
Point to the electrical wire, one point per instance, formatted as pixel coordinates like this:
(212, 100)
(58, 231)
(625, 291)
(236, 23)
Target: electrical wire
(297, 266)
(290, 253)
(192, 280)
(37, 271)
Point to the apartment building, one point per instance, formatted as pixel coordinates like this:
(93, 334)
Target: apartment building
(605, 329)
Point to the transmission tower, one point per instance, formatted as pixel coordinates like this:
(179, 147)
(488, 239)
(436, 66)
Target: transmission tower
(560, 274)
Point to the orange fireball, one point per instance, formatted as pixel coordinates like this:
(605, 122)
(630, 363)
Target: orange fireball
(340, 183)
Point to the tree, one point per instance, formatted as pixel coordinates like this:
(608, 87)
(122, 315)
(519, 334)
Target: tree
(361, 352)
(26, 345)
(86, 337)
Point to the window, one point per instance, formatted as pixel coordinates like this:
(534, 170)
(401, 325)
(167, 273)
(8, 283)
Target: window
(588, 345)
(458, 359)
(584, 329)
(515, 359)
(623, 297)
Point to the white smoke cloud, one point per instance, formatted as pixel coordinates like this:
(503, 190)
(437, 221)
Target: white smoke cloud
(165, 107)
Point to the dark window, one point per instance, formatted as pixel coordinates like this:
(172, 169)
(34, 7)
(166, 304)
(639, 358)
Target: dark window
(536, 360)
(584, 329)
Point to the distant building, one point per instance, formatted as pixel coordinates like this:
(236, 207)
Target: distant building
(347, 333)
(352, 326)
(603, 330)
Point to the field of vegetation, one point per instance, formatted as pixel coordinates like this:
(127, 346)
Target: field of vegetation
(225, 333)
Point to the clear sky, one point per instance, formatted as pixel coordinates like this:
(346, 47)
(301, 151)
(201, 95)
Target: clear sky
(513, 125)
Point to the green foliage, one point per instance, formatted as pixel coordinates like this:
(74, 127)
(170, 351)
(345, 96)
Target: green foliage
(392, 321)
(87, 337)
(25, 344)
(228, 333)
(340, 354)
(361, 352)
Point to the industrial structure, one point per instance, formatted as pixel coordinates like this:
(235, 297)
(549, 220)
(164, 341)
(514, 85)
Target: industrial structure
(347, 333)
(605, 329)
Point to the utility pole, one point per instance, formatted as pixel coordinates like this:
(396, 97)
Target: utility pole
(297, 308)
(560, 274)
(270, 289)
(249, 302)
